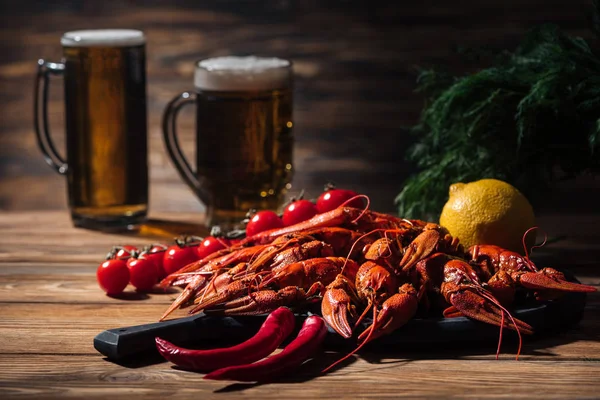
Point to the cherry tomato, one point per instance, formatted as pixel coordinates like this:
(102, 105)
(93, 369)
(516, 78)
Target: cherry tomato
(143, 273)
(333, 198)
(113, 276)
(263, 221)
(210, 245)
(177, 257)
(157, 254)
(125, 252)
(298, 211)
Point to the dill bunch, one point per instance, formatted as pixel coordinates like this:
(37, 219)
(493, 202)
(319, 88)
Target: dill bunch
(530, 119)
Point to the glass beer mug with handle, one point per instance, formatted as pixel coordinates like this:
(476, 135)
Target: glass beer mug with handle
(105, 112)
(243, 135)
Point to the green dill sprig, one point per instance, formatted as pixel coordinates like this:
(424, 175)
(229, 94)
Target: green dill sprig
(531, 118)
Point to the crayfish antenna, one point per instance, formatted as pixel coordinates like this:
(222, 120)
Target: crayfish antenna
(366, 208)
(516, 326)
(500, 340)
(360, 346)
(364, 313)
(535, 246)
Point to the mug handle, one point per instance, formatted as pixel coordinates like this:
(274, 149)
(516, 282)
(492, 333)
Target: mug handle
(51, 156)
(169, 124)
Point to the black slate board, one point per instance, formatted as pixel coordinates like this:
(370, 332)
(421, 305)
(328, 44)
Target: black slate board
(129, 342)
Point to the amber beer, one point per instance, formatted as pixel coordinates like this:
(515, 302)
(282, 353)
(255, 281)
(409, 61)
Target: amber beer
(105, 96)
(244, 134)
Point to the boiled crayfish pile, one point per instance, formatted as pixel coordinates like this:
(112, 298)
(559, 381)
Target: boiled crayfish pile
(358, 262)
(355, 262)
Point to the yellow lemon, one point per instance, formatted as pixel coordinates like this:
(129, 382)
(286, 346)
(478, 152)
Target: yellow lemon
(488, 211)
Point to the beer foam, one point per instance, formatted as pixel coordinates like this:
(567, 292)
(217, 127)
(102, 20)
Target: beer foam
(103, 37)
(243, 73)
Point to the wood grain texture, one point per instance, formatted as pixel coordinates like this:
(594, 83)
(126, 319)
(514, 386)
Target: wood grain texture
(46, 322)
(92, 377)
(50, 236)
(51, 309)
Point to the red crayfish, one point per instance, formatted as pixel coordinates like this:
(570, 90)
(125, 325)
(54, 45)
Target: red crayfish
(357, 262)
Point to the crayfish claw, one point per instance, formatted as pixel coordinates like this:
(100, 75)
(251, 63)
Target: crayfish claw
(183, 298)
(395, 312)
(338, 305)
(483, 309)
(421, 247)
(552, 280)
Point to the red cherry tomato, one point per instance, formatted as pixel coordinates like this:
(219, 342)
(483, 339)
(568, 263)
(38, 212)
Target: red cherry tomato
(298, 211)
(157, 254)
(210, 245)
(126, 252)
(332, 199)
(143, 273)
(177, 257)
(113, 276)
(263, 221)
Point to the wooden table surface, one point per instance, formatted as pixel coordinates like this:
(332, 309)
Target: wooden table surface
(51, 308)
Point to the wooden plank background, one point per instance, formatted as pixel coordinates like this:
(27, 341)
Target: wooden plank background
(355, 63)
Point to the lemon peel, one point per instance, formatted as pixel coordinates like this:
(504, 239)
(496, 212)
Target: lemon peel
(488, 211)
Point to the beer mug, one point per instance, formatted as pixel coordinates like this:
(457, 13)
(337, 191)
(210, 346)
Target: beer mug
(243, 135)
(105, 113)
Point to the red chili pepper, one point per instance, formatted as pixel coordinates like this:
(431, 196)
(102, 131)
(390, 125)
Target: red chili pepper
(309, 339)
(278, 325)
